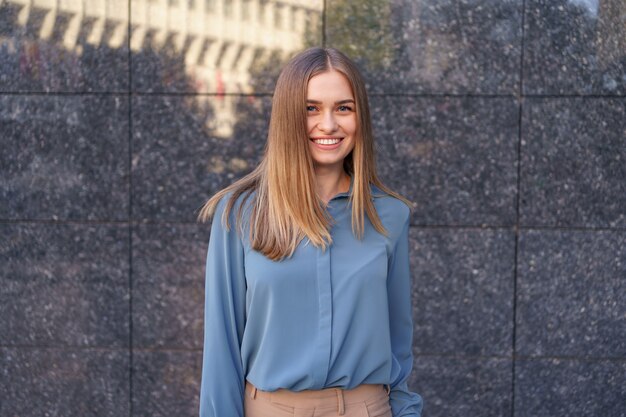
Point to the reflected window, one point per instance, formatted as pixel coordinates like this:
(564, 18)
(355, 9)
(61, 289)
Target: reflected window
(173, 3)
(291, 20)
(263, 11)
(191, 4)
(278, 16)
(209, 5)
(228, 8)
(245, 10)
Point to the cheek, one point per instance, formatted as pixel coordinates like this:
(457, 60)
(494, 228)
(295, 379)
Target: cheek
(351, 144)
(352, 125)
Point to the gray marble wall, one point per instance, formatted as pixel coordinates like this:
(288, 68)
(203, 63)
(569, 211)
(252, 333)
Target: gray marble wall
(504, 120)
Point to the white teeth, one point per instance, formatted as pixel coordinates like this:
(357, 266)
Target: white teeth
(326, 141)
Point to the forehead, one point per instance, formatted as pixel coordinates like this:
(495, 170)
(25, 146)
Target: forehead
(329, 85)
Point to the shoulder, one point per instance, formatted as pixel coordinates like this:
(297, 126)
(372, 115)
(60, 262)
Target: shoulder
(393, 212)
(388, 205)
(231, 208)
(243, 201)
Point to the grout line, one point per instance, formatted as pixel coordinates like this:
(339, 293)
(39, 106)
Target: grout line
(130, 218)
(571, 358)
(441, 95)
(65, 348)
(496, 95)
(63, 93)
(98, 222)
(141, 222)
(520, 86)
(324, 5)
(194, 94)
(517, 212)
(459, 356)
(101, 348)
(519, 227)
(125, 93)
(584, 96)
(521, 357)
(614, 359)
(269, 94)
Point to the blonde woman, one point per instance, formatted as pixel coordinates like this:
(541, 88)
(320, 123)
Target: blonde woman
(308, 295)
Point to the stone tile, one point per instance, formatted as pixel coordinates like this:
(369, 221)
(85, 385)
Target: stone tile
(218, 47)
(168, 285)
(573, 162)
(166, 383)
(561, 387)
(64, 46)
(574, 47)
(69, 383)
(462, 291)
(570, 296)
(187, 148)
(430, 46)
(64, 285)
(456, 158)
(460, 387)
(64, 157)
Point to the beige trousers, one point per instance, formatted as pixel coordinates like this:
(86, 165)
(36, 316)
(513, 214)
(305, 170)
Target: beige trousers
(362, 401)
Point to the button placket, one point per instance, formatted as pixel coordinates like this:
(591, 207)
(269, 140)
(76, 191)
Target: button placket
(325, 316)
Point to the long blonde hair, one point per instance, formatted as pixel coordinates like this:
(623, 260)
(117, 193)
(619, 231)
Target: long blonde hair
(285, 205)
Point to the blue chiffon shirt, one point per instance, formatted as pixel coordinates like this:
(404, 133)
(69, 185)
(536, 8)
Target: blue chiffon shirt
(319, 319)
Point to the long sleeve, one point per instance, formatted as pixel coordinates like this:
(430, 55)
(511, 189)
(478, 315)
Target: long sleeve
(222, 388)
(404, 403)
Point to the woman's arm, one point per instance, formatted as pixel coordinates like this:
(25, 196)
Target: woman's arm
(404, 403)
(222, 389)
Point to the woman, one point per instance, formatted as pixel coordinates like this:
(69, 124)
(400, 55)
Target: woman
(308, 308)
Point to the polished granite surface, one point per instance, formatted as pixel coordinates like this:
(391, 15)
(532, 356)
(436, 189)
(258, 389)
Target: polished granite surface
(64, 157)
(166, 383)
(570, 290)
(168, 293)
(64, 382)
(573, 162)
(64, 285)
(455, 158)
(458, 386)
(503, 121)
(556, 387)
(462, 291)
(431, 46)
(64, 49)
(575, 47)
(182, 154)
(219, 47)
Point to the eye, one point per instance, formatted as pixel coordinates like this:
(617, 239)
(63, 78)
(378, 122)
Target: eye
(311, 108)
(344, 108)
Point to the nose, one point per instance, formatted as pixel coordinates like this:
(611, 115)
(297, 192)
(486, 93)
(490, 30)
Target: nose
(328, 122)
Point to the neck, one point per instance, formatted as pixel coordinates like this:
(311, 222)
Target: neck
(331, 182)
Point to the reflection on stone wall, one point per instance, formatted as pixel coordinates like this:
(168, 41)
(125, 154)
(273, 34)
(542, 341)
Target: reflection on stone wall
(504, 121)
(209, 46)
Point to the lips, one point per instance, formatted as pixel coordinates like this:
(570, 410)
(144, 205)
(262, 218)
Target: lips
(328, 141)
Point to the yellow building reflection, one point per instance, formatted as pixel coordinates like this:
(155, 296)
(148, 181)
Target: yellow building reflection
(220, 41)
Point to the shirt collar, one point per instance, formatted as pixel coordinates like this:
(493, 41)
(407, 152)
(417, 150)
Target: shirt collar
(374, 190)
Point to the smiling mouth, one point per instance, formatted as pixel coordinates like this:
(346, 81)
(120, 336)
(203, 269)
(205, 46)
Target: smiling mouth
(326, 141)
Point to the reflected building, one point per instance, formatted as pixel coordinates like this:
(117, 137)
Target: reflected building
(217, 43)
(65, 22)
(611, 36)
(222, 42)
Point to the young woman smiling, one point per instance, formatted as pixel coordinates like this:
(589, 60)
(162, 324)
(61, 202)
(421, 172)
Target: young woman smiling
(308, 294)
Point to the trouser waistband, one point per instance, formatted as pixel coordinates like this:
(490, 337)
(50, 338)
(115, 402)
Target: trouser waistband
(327, 397)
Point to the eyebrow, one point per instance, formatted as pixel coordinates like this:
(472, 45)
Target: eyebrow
(336, 102)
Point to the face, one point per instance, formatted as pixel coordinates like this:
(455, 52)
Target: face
(331, 119)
